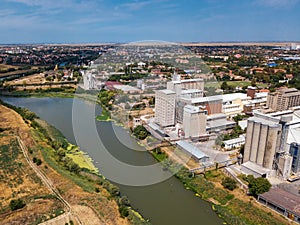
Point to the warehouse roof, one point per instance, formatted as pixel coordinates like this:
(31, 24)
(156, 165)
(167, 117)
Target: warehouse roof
(193, 150)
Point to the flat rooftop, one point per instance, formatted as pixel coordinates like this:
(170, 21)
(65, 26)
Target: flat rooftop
(166, 91)
(255, 168)
(125, 88)
(283, 199)
(235, 140)
(203, 99)
(193, 150)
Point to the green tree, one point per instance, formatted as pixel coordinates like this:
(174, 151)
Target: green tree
(258, 185)
(140, 132)
(229, 183)
(224, 85)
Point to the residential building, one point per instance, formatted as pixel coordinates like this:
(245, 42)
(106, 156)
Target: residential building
(283, 99)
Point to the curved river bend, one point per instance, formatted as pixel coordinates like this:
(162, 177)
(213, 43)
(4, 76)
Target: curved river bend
(165, 203)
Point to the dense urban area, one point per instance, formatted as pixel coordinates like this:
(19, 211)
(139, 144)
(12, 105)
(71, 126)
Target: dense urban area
(229, 113)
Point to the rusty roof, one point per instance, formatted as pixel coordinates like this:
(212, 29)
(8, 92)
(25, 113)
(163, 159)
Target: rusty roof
(283, 199)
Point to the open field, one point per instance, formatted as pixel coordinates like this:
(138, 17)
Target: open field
(4, 67)
(19, 181)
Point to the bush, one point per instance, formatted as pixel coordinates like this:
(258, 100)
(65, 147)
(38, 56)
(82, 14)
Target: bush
(229, 183)
(140, 132)
(38, 162)
(16, 204)
(123, 211)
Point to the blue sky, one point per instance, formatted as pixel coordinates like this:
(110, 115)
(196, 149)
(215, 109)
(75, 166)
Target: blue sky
(81, 21)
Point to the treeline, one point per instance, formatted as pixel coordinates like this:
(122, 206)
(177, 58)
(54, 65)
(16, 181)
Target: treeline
(127, 77)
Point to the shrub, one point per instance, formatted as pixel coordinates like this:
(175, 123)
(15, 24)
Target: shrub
(140, 132)
(229, 183)
(16, 204)
(123, 211)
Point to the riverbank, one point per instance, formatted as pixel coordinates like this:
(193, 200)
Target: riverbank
(211, 178)
(235, 207)
(89, 188)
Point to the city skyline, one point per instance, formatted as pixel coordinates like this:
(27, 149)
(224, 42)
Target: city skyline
(76, 21)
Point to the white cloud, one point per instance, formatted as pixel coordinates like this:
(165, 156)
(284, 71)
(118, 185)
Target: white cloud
(277, 3)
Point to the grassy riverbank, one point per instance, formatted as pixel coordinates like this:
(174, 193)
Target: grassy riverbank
(78, 183)
(235, 207)
(105, 115)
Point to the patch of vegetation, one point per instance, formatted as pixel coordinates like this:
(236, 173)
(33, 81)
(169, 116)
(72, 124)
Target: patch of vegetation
(127, 77)
(140, 132)
(229, 183)
(240, 117)
(105, 115)
(16, 204)
(106, 98)
(234, 211)
(37, 161)
(258, 185)
(238, 212)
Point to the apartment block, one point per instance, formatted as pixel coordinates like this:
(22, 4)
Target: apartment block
(283, 99)
(165, 107)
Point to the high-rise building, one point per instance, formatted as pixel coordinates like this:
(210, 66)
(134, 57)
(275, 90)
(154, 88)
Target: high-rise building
(194, 121)
(283, 99)
(165, 107)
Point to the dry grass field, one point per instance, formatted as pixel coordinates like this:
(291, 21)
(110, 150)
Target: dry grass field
(19, 181)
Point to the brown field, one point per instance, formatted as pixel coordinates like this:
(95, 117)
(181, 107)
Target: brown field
(5, 67)
(18, 180)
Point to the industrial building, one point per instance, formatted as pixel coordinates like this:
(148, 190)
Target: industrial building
(194, 121)
(234, 143)
(283, 202)
(268, 141)
(192, 151)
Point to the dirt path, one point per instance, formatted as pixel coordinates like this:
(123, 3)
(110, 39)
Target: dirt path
(69, 212)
